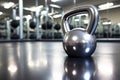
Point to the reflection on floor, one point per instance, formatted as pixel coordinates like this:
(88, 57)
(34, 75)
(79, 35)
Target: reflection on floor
(48, 61)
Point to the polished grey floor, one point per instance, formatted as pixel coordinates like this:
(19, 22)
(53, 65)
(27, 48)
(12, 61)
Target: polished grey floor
(48, 61)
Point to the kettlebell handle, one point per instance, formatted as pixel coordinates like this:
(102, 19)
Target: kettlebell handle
(92, 11)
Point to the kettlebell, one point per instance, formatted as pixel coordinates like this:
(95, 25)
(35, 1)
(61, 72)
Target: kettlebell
(80, 42)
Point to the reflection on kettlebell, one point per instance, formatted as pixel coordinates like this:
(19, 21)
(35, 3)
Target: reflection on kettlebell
(71, 26)
(79, 69)
(80, 42)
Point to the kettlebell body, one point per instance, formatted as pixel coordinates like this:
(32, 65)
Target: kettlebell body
(80, 42)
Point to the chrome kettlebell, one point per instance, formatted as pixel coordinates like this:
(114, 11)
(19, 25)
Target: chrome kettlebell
(80, 42)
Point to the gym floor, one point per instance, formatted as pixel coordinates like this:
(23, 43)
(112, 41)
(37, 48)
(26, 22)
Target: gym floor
(48, 61)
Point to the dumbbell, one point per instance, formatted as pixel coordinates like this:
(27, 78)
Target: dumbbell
(49, 36)
(14, 23)
(47, 25)
(80, 42)
(15, 36)
(43, 36)
(33, 36)
(32, 25)
(46, 36)
(57, 27)
(57, 35)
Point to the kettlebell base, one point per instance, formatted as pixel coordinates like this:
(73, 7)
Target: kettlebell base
(79, 56)
(78, 43)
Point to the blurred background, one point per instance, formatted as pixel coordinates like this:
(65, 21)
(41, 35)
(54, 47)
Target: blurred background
(41, 19)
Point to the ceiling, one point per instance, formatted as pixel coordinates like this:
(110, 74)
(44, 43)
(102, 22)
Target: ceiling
(63, 3)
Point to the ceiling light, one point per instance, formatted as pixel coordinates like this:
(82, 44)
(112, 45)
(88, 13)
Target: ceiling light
(118, 24)
(1, 13)
(44, 12)
(82, 15)
(55, 6)
(112, 7)
(34, 8)
(17, 18)
(107, 23)
(28, 17)
(50, 14)
(57, 16)
(8, 5)
(106, 5)
(55, 0)
(77, 20)
(86, 21)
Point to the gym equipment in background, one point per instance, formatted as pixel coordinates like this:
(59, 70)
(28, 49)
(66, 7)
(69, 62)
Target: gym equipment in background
(80, 42)
(14, 24)
(47, 26)
(57, 35)
(33, 25)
